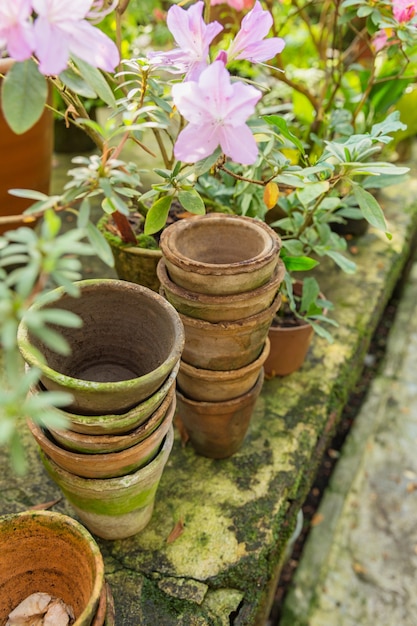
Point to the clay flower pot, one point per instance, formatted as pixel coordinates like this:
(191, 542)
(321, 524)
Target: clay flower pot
(118, 423)
(214, 308)
(219, 254)
(132, 263)
(114, 508)
(217, 385)
(289, 348)
(217, 429)
(103, 444)
(130, 341)
(26, 162)
(227, 345)
(43, 551)
(105, 464)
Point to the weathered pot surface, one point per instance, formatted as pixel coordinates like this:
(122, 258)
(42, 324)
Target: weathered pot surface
(216, 385)
(220, 308)
(132, 263)
(44, 551)
(115, 424)
(220, 254)
(131, 340)
(114, 508)
(227, 345)
(102, 444)
(218, 429)
(109, 464)
(289, 348)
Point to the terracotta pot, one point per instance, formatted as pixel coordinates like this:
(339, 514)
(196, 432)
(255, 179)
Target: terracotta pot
(52, 553)
(216, 386)
(217, 429)
(114, 508)
(116, 424)
(26, 163)
(132, 263)
(227, 345)
(220, 254)
(103, 444)
(289, 347)
(109, 464)
(213, 308)
(131, 339)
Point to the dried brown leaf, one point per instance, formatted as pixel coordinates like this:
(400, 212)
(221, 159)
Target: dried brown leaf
(176, 531)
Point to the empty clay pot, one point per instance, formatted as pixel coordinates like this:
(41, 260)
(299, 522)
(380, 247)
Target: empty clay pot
(109, 464)
(103, 444)
(114, 508)
(214, 308)
(227, 345)
(43, 551)
(220, 254)
(216, 385)
(217, 429)
(130, 341)
(289, 347)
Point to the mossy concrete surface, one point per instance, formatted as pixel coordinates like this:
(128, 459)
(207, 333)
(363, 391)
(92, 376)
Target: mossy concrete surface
(212, 552)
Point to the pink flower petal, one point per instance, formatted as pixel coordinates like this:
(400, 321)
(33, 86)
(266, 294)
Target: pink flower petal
(195, 143)
(249, 44)
(239, 144)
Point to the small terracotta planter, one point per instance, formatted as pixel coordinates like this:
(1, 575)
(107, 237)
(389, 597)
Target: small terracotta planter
(43, 551)
(132, 263)
(104, 444)
(109, 464)
(217, 429)
(220, 254)
(289, 348)
(213, 308)
(216, 385)
(227, 345)
(114, 508)
(131, 339)
(116, 424)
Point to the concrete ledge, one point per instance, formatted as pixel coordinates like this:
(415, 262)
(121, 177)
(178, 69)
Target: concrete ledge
(238, 514)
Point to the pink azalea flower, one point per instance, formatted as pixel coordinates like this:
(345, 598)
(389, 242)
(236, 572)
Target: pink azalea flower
(250, 42)
(404, 10)
(239, 5)
(61, 30)
(193, 38)
(216, 110)
(16, 28)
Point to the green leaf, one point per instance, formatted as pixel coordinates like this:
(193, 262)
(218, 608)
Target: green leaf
(77, 84)
(370, 208)
(192, 201)
(349, 267)
(157, 215)
(279, 122)
(299, 263)
(96, 80)
(100, 244)
(308, 194)
(24, 93)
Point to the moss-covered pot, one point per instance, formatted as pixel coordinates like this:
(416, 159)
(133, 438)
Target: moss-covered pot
(132, 263)
(227, 345)
(105, 464)
(50, 552)
(217, 429)
(119, 423)
(103, 444)
(215, 308)
(130, 341)
(217, 385)
(114, 508)
(220, 254)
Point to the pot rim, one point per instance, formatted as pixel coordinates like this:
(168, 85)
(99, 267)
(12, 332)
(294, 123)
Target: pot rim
(212, 376)
(210, 407)
(173, 255)
(83, 385)
(222, 299)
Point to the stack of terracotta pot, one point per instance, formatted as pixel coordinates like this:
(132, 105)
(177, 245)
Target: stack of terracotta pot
(121, 374)
(222, 273)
